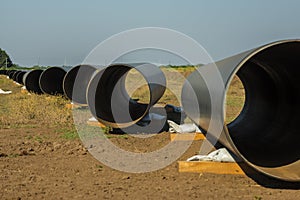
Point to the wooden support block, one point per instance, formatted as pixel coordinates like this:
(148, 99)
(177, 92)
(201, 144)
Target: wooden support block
(24, 91)
(210, 167)
(71, 105)
(96, 123)
(186, 136)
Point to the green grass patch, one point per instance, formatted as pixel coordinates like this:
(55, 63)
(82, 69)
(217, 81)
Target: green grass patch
(14, 155)
(38, 139)
(70, 135)
(99, 166)
(29, 137)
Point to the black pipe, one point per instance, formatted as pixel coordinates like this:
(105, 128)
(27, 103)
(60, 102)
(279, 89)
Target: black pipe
(11, 73)
(76, 81)
(266, 133)
(19, 77)
(51, 81)
(3, 72)
(109, 101)
(31, 81)
(14, 76)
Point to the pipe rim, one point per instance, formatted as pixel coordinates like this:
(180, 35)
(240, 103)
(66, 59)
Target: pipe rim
(77, 67)
(261, 169)
(42, 86)
(92, 107)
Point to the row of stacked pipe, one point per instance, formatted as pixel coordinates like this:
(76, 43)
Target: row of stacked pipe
(52, 81)
(265, 135)
(15, 75)
(39, 81)
(83, 85)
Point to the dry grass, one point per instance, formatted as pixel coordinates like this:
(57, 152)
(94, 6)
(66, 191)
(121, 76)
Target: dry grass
(23, 109)
(175, 78)
(235, 99)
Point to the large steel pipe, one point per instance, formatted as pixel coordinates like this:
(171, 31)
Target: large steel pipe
(3, 72)
(76, 81)
(11, 73)
(31, 81)
(19, 77)
(109, 100)
(14, 76)
(266, 133)
(51, 81)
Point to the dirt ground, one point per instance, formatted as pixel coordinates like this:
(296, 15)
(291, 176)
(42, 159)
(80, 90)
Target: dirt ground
(50, 167)
(39, 161)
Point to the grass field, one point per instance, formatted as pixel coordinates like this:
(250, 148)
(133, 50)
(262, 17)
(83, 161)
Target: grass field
(19, 109)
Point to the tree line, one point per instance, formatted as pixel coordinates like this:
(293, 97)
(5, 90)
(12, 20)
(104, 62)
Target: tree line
(5, 60)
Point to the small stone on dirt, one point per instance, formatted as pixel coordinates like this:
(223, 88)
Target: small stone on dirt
(3, 155)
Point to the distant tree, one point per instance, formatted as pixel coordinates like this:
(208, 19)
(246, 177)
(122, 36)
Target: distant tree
(4, 59)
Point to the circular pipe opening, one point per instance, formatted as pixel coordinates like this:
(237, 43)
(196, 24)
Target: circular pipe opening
(76, 81)
(14, 76)
(109, 100)
(31, 81)
(11, 73)
(51, 81)
(266, 132)
(19, 77)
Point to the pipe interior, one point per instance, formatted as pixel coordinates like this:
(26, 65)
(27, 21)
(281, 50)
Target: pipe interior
(20, 76)
(51, 80)
(111, 91)
(76, 81)
(31, 81)
(266, 132)
(15, 74)
(11, 73)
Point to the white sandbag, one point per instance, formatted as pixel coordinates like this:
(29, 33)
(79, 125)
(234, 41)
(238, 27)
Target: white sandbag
(5, 92)
(219, 155)
(183, 128)
(93, 119)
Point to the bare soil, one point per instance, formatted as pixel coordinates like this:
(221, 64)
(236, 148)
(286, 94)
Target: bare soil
(49, 167)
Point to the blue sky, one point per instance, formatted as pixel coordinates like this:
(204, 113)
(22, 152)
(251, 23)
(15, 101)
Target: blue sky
(47, 32)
